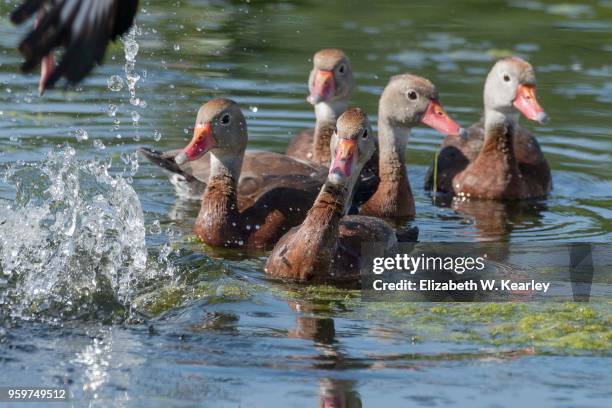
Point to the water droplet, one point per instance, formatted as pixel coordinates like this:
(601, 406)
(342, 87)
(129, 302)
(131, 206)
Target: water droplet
(155, 228)
(135, 116)
(98, 145)
(177, 47)
(253, 109)
(112, 110)
(157, 135)
(115, 83)
(81, 135)
(130, 47)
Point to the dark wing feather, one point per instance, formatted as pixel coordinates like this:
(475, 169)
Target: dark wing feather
(83, 27)
(88, 38)
(26, 10)
(126, 10)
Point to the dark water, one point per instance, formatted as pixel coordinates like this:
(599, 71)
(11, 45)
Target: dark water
(209, 331)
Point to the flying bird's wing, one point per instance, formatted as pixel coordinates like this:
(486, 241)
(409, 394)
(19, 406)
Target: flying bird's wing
(83, 27)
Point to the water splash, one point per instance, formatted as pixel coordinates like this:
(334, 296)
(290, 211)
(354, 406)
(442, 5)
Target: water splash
(73, 240)
(130, 47)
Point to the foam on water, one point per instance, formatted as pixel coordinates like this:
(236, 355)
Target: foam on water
(73, 240)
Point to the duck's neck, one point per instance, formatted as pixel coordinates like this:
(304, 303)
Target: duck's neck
(326, 114)
(392, 145)
(393, 197)
(317, 238)
(218, 217)
(498, 144)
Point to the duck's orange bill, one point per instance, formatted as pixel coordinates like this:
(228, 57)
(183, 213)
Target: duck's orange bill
(527, 103)
(437, 118)
(323, 87)
(203, 140)
(346, 156)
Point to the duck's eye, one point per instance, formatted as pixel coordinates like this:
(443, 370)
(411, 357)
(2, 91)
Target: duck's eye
(225, 119)
(412, 95)
(342, 69)
(506, 77)
(365, 134)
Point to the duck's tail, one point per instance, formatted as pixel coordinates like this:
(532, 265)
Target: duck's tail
(164, 160)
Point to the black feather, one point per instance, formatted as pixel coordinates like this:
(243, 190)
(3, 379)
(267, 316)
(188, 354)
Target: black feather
(25, 11)
(82, 27)
(164, 161)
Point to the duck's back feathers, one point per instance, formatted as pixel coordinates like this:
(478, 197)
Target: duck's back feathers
(261, 172)
(300, 146)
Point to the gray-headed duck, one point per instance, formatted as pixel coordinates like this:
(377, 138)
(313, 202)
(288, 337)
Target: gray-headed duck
(407, 101)
(275, 194)
(330, 84)
(497, 159)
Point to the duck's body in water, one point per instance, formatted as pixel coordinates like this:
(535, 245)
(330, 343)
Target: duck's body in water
(498, 159)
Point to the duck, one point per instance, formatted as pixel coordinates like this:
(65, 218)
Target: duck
(82, 28)
(273, 196)
(191, 176)
(326, 247)
(497, 159)
(407, 101)
(331, 85)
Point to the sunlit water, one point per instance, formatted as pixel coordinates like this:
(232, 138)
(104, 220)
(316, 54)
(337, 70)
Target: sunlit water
(102, 289)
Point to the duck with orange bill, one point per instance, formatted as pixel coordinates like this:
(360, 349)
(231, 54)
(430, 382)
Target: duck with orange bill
(330, 85)
(327, 246)
(273, 196)
(407, 101)
(497, 159)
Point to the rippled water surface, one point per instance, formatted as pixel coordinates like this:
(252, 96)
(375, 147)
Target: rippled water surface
(103, 289)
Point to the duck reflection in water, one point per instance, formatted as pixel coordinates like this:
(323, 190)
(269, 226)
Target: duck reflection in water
(495, 220)
(333, 392)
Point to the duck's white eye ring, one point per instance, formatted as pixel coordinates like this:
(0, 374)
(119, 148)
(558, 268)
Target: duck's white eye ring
(412, 95)
(506, 77)
(226, 119)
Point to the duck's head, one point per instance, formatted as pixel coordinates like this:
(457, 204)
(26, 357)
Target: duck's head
(511, 86)
(351, 147)
(331, 78)
(409, 100)
(220, 127)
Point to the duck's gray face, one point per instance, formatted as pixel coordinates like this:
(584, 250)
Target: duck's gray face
(511, 85)
(352, 146)
(220, 127)
(409, 100)
(331, 78)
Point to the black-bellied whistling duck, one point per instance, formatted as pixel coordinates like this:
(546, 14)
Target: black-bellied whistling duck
(331, 85)
(276, 199)
(259, 169)
(326, 247)
(407, 101)
(497, 159)
(83, 27)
